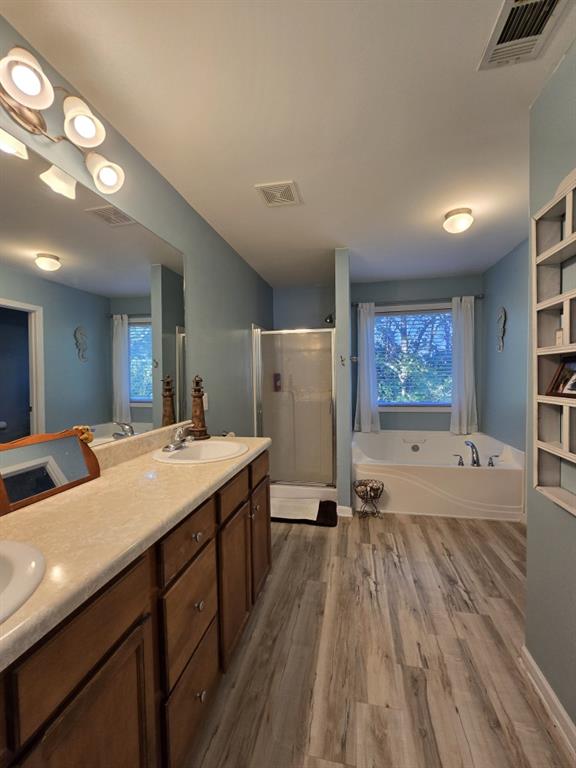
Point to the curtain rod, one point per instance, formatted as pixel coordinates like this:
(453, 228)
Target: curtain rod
(478, 296)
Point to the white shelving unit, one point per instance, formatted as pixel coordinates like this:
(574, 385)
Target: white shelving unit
(554, 310)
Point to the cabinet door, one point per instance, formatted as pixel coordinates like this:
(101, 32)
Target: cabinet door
(235, 577)
(111, 721)
(261, 537)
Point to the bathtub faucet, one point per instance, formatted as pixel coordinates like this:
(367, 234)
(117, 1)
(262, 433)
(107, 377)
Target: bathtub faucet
(475, 454)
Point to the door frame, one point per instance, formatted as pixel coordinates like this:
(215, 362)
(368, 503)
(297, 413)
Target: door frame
(257, 334)
(36, 361)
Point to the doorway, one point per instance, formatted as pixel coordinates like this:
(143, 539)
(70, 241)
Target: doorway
(21, 370)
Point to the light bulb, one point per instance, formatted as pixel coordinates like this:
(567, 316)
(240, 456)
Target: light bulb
(26, 80)
(458, 221)
(108, 176)
(48, 262)
(85, 126)
(12, 146)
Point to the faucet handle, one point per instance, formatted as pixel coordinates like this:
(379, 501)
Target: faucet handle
(180, 433)
(491, 459)
(460, 459)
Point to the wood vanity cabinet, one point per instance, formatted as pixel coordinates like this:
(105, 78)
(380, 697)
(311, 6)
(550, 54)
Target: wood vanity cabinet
(235, 580)
(260, 536)
(125, 681)
(111, 721)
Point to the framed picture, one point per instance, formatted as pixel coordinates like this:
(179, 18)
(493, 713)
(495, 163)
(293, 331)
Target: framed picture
(563, 382)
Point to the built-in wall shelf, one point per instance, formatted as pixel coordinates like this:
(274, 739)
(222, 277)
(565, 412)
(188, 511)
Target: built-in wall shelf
(559, 496)
(553, 241)
(556, 302)
(560, 252)
(561, 349)
(569, 402)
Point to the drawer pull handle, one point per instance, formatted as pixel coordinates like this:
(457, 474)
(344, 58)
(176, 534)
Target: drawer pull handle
(257, 507)
(198, 536)
(251, 515)
(201, 696)
(200, 605)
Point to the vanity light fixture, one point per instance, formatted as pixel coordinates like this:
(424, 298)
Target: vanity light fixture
(22, 78)
(12, 146)
(81, 126)
(458, 220)
(108, 177)
(25, 91)
(48, 262)
(60, 182)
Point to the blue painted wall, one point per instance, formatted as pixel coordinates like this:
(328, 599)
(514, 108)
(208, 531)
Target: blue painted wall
(134, 306)
(76, 392)
(303, 306)
(503, 378)
(551, 586)
(417, 292)
(224, 296)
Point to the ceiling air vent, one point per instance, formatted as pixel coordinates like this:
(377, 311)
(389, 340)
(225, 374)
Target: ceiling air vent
(111, 215)
(522, 30)
(279, 193)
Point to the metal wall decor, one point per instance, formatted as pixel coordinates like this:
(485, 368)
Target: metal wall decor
(501, 327)
(81, 342)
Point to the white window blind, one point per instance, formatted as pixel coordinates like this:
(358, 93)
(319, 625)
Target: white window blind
(414, 357)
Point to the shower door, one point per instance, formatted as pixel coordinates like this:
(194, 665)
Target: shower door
(295, 403)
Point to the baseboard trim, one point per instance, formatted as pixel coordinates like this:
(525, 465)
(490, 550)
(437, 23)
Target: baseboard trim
(563, 724)
(344, 511)
(503, 517)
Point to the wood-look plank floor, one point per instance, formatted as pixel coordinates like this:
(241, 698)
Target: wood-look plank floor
(386, 643)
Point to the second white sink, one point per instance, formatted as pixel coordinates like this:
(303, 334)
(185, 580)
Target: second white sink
(202, 452)
(21, 570)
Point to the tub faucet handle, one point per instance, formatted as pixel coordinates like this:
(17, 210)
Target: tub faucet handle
(491, 459)
(460, 459)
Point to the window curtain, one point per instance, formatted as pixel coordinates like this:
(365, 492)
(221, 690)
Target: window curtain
(367, 418)
(120, 369)
(464, 418)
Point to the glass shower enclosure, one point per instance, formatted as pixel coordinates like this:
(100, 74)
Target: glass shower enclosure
(294, 403)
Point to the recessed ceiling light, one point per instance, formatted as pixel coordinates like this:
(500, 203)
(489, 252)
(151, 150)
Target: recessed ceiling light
(108, 177)
(81, 126)
(22, 78)
(12, 146)
(48, 262)
(458, 220)
(60, 182)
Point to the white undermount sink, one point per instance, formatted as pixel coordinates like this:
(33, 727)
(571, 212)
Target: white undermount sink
(21, 570)
(202, 452)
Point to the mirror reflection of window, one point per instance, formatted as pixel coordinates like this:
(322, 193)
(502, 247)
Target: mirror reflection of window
(140, 356)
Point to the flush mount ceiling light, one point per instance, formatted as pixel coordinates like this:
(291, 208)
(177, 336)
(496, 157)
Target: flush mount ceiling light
(48, 262)
(60, 182)
(81, 126)
(108, 177)
(12, 146)
(22, 78)
(458, 220)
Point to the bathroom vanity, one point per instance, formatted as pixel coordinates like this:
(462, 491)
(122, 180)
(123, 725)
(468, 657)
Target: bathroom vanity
(116, 658)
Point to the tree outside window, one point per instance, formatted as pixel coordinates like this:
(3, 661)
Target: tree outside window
(414, 357)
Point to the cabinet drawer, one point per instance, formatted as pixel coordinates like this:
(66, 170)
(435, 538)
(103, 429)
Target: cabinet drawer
(180, 546)
(184, 710)
(259, 469)
(232, 495)
(189, 606)
(50, 673)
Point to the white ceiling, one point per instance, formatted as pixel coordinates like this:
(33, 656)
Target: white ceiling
(110, 261)
(376, 109)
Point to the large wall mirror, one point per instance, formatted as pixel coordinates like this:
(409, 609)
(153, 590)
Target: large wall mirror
(87, 343)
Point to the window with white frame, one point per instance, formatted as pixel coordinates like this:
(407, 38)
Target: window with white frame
(140, 356)
(413, 348)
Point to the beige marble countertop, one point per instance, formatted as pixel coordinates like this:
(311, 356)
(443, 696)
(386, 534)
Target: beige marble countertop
(92, 532)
